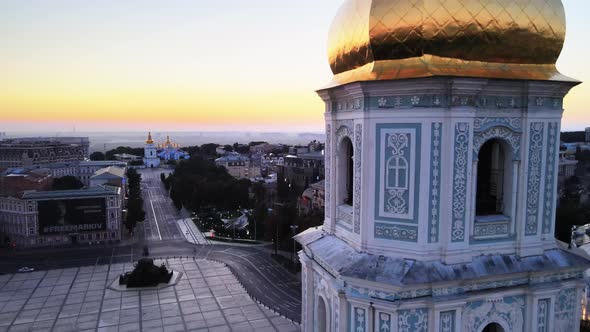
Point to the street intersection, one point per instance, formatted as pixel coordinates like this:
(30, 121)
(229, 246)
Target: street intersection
(169, 234)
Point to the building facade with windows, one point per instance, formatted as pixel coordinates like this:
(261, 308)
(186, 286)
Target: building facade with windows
(238, 166)
(303, 169)
(441, 173)
(44, 218)
(19, 152)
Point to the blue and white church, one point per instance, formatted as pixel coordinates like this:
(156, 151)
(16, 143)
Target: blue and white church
(443, 121)
(150, 153)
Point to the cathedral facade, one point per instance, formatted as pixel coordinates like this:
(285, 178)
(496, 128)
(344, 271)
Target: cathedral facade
(441, 172)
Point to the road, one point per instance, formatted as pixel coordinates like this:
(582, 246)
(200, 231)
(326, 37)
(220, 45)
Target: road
(161, 215)
(263, 278)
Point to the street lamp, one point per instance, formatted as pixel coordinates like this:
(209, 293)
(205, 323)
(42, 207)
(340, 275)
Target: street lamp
(293, 230)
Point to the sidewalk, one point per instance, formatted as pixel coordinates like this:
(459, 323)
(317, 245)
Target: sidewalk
(191, 232)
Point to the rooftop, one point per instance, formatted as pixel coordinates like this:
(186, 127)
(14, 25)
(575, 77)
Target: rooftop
(338, 256)
(72, 194)
(103, 162)
(110, 171)
(232, 156)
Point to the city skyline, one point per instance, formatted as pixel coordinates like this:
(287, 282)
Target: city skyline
(137, 65)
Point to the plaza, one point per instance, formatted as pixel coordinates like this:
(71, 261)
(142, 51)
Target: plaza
(208, 297)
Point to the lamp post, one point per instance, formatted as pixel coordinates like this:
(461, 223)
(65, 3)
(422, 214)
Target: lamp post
(293, 230)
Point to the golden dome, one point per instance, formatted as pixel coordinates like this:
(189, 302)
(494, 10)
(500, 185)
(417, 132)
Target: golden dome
(149, 139)
(395, 39)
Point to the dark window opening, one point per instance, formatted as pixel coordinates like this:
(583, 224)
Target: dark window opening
(493, 328)
(347, 171)
(490, 179)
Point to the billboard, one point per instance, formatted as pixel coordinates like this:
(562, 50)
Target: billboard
(72, 216)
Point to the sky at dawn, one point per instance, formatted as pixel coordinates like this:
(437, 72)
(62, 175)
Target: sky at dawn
(190, 65)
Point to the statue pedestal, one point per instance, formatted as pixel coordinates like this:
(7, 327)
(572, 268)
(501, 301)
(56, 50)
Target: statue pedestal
(123, 288)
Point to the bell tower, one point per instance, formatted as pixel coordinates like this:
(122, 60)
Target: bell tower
(443, 167)
(441, 172)
(150, 158)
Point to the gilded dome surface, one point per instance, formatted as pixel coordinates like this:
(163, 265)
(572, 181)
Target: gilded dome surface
(394, 39)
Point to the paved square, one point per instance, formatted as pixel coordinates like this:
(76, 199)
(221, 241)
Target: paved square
(208, 297)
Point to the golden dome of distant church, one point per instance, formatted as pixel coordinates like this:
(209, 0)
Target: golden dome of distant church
(394, 39)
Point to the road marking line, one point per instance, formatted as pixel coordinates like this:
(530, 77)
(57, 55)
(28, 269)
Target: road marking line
(156, 219)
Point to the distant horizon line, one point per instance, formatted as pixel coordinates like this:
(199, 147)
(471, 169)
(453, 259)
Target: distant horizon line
(159, 131)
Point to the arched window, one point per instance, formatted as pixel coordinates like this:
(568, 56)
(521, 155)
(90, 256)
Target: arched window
(345, 172)
(322, 315)
(493, 327)
(493, 179)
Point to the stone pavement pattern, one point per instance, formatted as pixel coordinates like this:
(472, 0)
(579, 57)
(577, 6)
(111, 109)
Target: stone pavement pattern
(208, 297)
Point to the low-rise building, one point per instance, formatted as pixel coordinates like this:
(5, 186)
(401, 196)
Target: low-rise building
(567, 165)
(126, 157)
(313, 198)
(272, 160)
(220, 150)
(238, 166)
(42, 218)
(86, 169)
(112, 176)
(303, 169)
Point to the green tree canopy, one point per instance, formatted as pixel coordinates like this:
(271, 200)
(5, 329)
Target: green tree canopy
(94, 156)
(573, 136)
(209, 149)
(197, 183)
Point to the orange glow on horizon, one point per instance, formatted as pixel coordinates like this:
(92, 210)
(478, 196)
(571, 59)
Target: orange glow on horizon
(135, 66)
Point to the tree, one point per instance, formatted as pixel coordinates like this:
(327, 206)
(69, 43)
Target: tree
(163, 177)
(259, 192)
(578, 152)
(197, 183)
(67, 183)
(209, 149)
(256, 221)
(228, 148)
(134, 182)
(573, 136)
(242, 149)
(168, 181)
(94, 156)
(176, 198)
(569, 212)
(135, 211)
(193, 151)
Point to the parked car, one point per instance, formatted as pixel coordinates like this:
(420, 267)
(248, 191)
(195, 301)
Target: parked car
(25, 269)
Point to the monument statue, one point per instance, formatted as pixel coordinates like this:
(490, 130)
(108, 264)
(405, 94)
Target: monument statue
(146, 274)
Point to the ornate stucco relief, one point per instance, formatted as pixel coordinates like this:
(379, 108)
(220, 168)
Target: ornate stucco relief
(459, 208)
